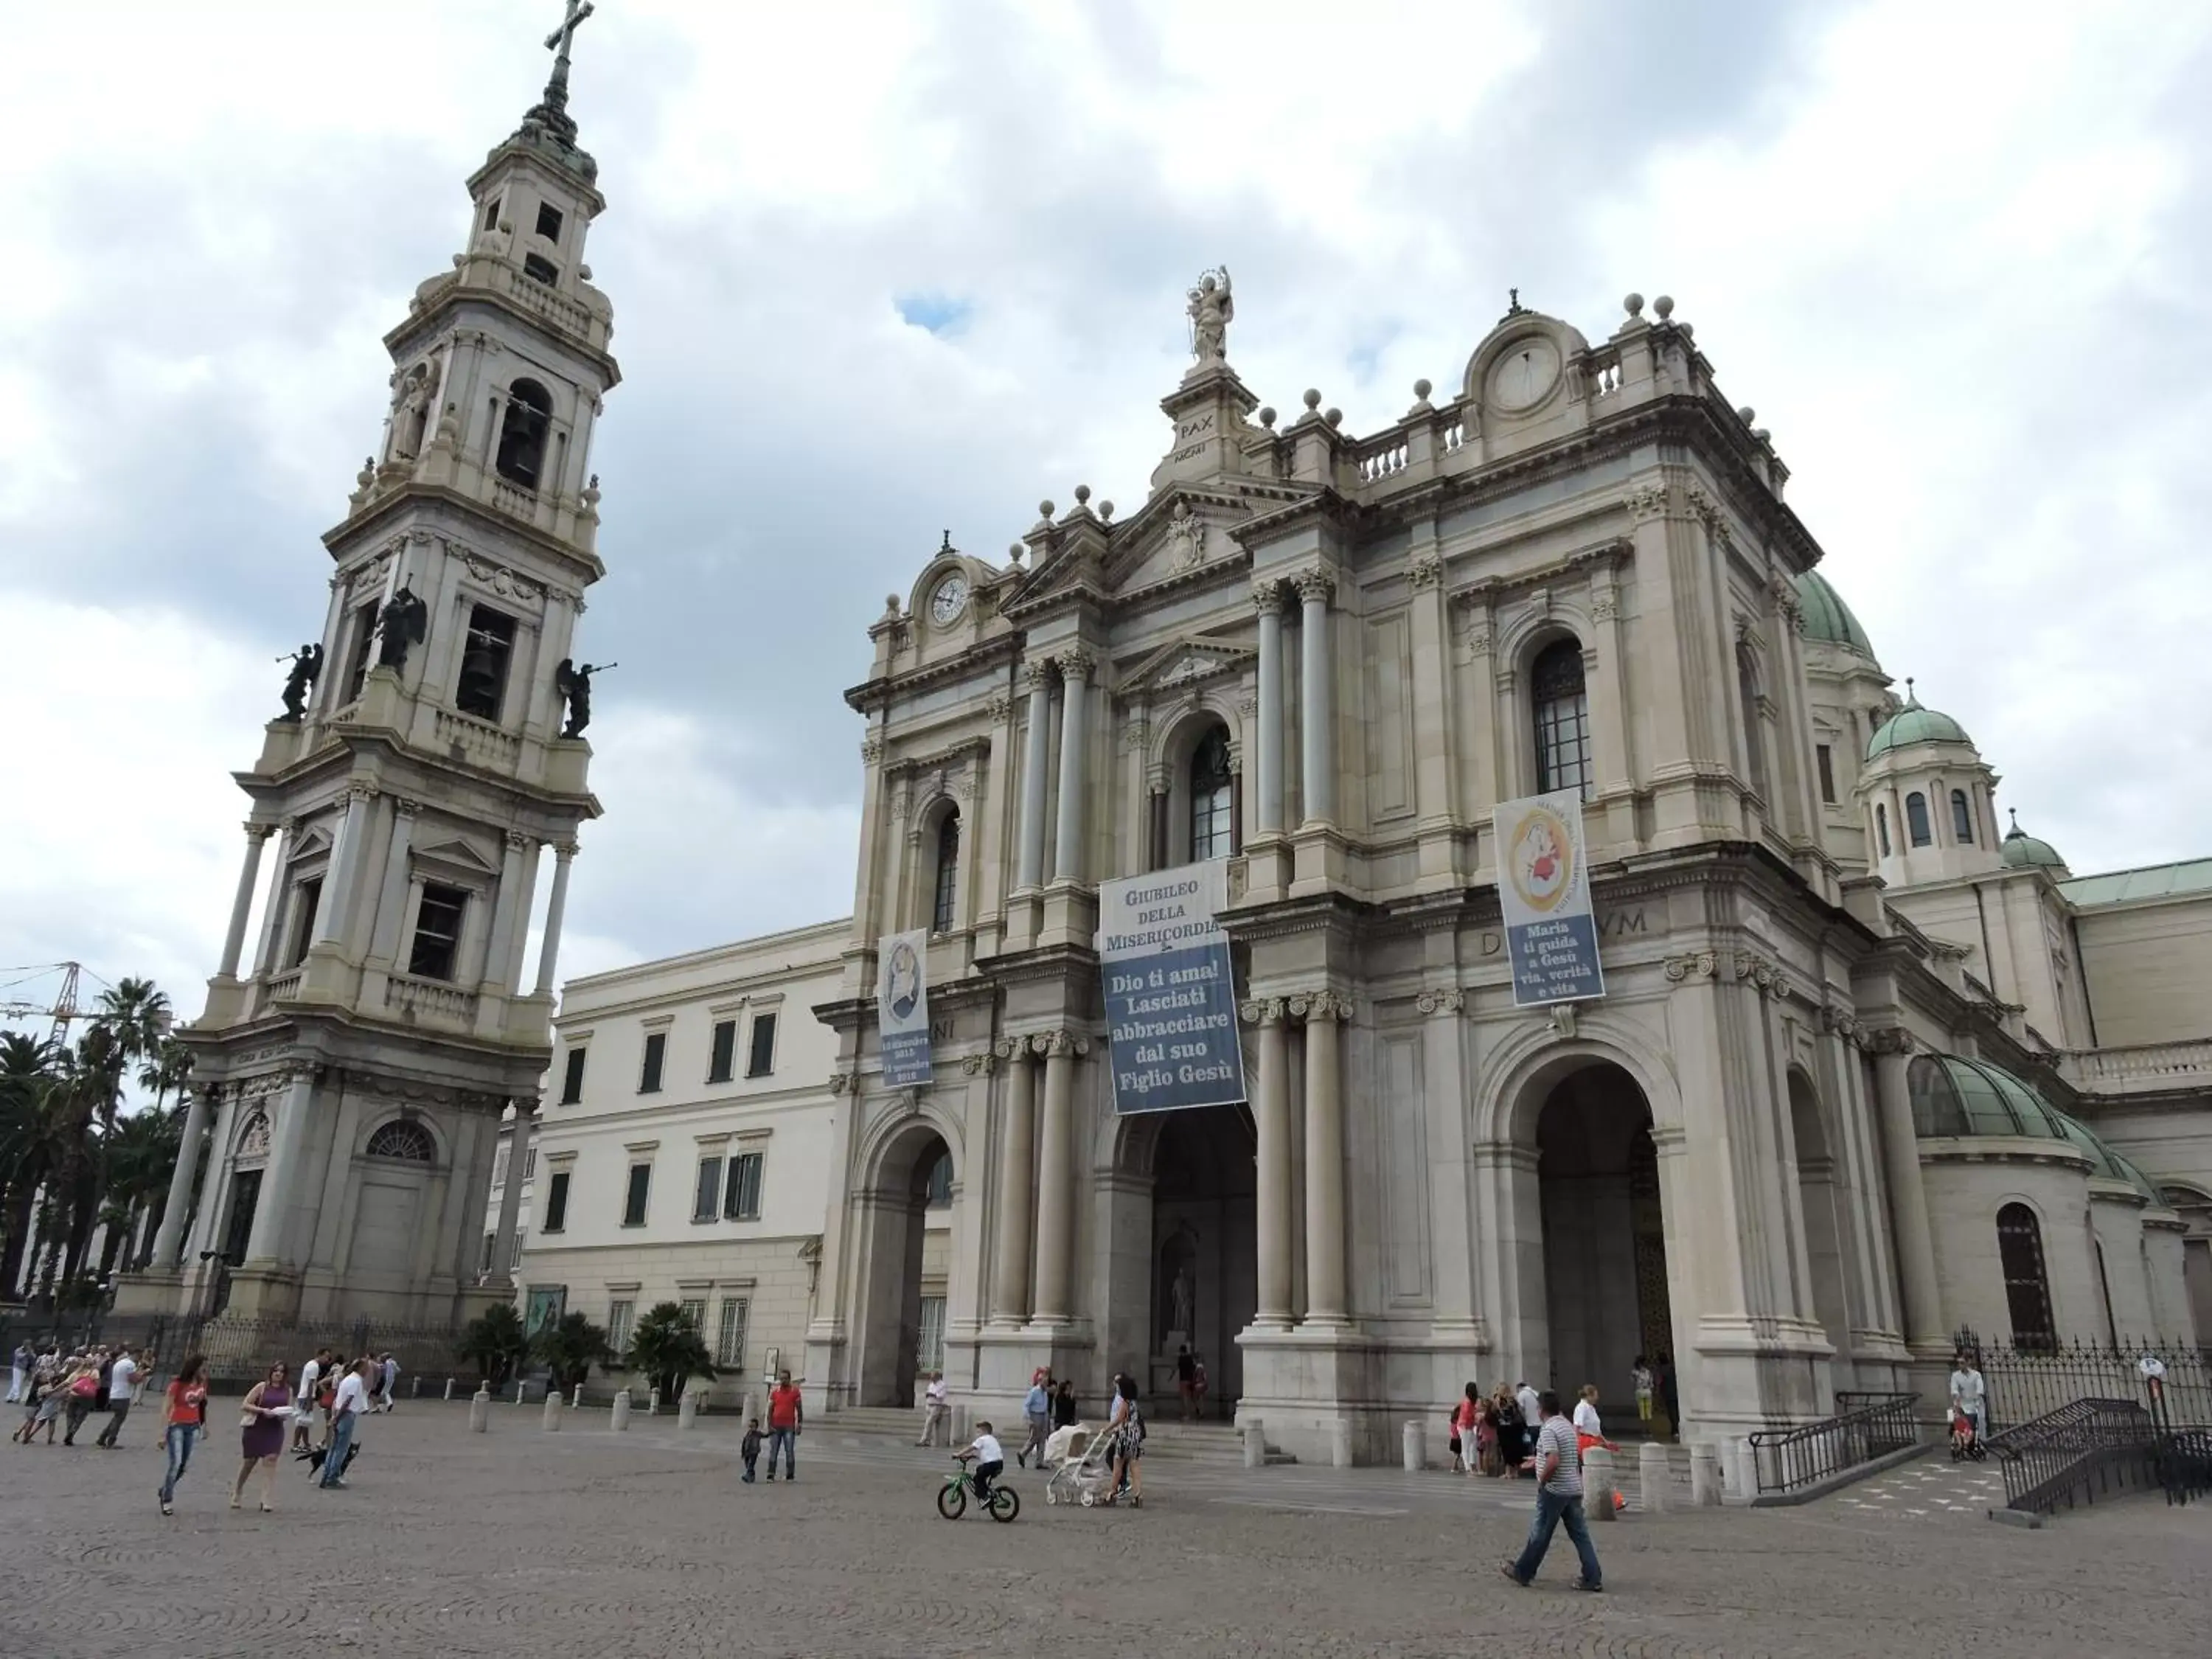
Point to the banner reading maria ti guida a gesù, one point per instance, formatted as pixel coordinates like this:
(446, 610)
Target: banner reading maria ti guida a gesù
(1543, 889)
(903, 1008)
(1170, 997)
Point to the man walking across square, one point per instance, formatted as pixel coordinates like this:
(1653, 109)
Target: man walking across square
(786, 1415)
(935, 1408)
(352, 1399)
(1558, 1497)
(122, 1380)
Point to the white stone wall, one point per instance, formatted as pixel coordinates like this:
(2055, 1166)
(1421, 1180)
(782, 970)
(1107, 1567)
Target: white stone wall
(1967, 1182)
(2149, 965)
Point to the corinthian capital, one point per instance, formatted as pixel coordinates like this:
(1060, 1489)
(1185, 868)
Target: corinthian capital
(1314, 585)
(1075, 665)
(1036, 674)
(1268, 595)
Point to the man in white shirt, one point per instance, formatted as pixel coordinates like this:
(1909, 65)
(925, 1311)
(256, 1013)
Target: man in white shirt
(345, 1414)
(388, 1383)
(309, 1422)
(1558, 1497)
(1970, 1394)
(989, 1457)
(122, 1377)
(935, 1407)
(1532, 1409)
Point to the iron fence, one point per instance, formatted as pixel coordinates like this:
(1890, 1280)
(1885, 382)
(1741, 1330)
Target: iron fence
(2076, 1452)
(2171, 1381)
(1866, 1426)
(239, 1349)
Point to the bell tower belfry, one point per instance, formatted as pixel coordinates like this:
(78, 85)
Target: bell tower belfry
(356, 1056)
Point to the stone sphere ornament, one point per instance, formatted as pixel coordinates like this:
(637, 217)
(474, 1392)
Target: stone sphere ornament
(1634, 304)
(1268, 416)
(1083, 495)
(1313, 399)
(1044, 509)
(1422, 388)
(1664, 305)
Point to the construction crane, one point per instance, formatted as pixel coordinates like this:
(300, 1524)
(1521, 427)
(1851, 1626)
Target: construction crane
(64, 1008)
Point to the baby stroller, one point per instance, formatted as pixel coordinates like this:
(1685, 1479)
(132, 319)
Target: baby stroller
(1965, 1444)
(1082, 1465)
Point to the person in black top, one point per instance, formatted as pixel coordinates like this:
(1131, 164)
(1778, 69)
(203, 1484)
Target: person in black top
(1063, 1414)
(1186, 1380)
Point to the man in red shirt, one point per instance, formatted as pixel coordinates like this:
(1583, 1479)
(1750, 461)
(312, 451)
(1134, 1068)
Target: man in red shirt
(786, 1415)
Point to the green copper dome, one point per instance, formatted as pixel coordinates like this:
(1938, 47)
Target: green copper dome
(1827, 618)
(1915, 724)
(2022, 850)
(1952, 1096)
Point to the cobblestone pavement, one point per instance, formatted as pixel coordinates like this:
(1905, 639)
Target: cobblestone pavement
(519, 1542)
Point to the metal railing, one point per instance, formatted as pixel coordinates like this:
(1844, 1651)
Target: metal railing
(2076, 1452)
(1866, 1426)
(2027, 1383)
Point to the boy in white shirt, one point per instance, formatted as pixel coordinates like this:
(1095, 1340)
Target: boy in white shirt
(990, 1459)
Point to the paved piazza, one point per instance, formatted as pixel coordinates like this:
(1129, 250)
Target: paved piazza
(525, 1543)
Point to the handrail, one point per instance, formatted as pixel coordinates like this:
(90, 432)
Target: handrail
(2079, 1449)
(1787, 1460)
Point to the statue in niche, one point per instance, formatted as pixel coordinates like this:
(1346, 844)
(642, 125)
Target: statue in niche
(573, 680)
(1183, 1301)
(1212, 310)
(306, 663)
(405, 622)
(411, 410)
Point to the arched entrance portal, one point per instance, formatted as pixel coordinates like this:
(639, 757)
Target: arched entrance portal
(906, 1258)
(1203, 1265)
(1605, 1241)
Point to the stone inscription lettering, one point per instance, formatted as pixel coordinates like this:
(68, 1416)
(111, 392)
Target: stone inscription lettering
(1613, 924)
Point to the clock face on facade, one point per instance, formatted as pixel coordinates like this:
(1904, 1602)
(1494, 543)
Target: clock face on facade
(950, 599)
(1524, 375)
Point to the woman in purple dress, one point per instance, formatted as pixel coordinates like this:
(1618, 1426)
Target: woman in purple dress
(263, 1434)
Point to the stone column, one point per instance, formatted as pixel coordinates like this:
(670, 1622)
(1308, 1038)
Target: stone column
(503, 908)
(1033, 742)
(1010, 1278)
(510, 1193)
(1067, 840)
(272, 911)
(168, 1241)
(1908, 1202)
(1267, 597)
(345, 858)
(1272, 1121)
(234, 942)
(286, 1136)
(1055, 1250)
(549, 952)
(392, 897)
(1325, 1291)
(1317, 758)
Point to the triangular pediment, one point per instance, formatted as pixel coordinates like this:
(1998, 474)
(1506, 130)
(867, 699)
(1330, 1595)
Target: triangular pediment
(1185, 662)
(310, 842)
(458, 853)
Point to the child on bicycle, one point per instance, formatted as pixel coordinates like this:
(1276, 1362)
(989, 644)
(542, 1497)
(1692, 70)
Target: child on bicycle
(990, 1459)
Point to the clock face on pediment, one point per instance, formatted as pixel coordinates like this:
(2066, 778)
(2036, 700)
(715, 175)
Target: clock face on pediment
(948, 600)
(1523, 374)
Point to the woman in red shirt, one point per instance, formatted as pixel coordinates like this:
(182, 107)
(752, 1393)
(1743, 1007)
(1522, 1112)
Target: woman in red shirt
(187, 1413)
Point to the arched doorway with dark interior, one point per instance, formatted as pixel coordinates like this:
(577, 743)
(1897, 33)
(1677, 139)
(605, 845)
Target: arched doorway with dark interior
(903, 1327)
(1201, 1283)
(1605, 1239)
(1820, 1200)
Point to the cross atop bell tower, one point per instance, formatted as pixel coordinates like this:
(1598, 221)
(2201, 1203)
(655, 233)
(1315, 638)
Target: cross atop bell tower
(549, 115)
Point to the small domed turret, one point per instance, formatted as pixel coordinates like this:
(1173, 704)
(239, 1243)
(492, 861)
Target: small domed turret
(2022, 851)
(1914, 723)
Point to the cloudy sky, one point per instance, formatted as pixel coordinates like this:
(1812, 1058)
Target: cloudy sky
(883, 270)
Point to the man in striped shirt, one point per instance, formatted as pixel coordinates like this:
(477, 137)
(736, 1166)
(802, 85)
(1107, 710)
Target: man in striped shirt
(1558, 1497)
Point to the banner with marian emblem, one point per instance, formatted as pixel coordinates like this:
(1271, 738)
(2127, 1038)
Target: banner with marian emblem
(1543, 889)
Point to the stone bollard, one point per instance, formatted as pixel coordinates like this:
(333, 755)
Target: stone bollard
(1704, 1477)
(1652, 1474)
(1747, 1470)
(1256, 1446)
(449, 1388)
(1340, 1444)
(415, 1384)
(1417, 1443)
(687, 1409)
(653, 1402)
(621, 1420)
(577, 1403)
(552, 1411)
(958, 1419)
(480, 1410)
(1599, 1485)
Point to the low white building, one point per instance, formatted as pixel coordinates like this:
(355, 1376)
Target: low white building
(683, 1154)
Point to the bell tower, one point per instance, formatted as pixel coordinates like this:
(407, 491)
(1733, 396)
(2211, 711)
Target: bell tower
(357, 1061)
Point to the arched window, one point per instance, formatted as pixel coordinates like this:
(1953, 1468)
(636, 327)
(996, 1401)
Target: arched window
(2028, 1286)
(948, 872)
(1562, 713)
(254, 1140)
(1962, 818)
(1747, 688)
(1212, 789)
(1916, 818)
(410, 1143)
(522, 434)
(1882, 827)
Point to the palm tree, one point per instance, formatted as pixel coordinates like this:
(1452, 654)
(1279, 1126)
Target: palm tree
(570, 1346)
(667, 1347)
(132, 1019)
(495, 1340)
(140, 1159)
(32, 1141)
(166, 1069)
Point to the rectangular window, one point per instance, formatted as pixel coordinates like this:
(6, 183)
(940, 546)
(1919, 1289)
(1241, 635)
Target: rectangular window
(491, 1242)
(491, 213)
(538, 267)
(761, 1060)
(695, 1312)
(725, 1051)
(437, 946)
(361, 648)
(485, 654)
(307, 900)
(557, 1202)
(930, 1351)
(572, 1076)
(708, 1195)
(499, 1166)
(619, 1313)
(940, 1183)
(743, 1201)
(730, 1337)
(530, 1163)
(656, 1054)
(641, 1184)
(548, 221)
(1828, 773)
